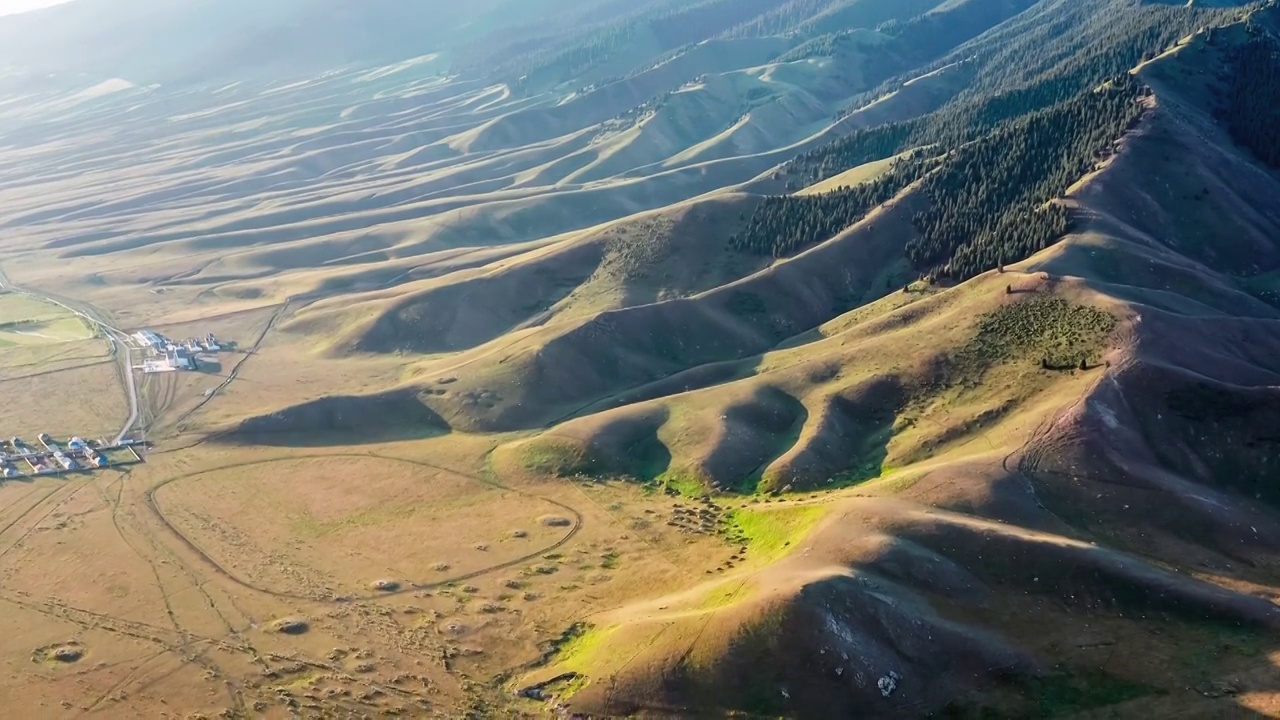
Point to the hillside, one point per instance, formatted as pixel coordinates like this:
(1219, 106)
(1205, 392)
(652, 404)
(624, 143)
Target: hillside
(674, 358)
(1007, 492)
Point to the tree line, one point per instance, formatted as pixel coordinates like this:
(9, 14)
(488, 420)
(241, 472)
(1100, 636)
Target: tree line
(1253, 101)
(989, 199)
(1051, 100)
(784, 224)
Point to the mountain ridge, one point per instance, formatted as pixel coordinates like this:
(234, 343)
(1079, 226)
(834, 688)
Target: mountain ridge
(878, 359)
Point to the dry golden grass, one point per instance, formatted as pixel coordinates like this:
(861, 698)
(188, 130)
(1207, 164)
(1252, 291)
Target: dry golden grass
(85, 400)
(339, 524)
(385, 568)
(91, 560)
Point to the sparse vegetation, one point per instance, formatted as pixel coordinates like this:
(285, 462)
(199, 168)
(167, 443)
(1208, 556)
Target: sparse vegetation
(1046, 327)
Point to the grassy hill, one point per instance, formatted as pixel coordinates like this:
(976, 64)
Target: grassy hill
(978, 478)
(861, 358)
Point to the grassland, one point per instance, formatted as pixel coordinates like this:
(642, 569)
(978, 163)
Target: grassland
(507, 411)
(25, 321)
(57, 375)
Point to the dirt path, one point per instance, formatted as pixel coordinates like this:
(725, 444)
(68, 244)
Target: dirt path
(158, 513)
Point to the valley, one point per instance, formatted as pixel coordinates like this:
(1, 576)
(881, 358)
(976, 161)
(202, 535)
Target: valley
(750, 358)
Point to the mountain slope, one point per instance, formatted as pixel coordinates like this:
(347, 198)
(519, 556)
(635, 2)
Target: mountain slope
(887, 359)
(947, 576)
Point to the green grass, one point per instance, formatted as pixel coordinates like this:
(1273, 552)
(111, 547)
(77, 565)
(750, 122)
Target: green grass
(15, 307)
(894, 483)
(1070, 692)
(685, 483)
(26, 321)
(771, 533)
(553, 456)
(871, 460)
(1213, 649)
(580, 646)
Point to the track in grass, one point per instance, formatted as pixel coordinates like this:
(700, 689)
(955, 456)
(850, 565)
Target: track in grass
(231, 575)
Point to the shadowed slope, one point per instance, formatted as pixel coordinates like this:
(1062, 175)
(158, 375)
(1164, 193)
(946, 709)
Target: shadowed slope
(1043, 514)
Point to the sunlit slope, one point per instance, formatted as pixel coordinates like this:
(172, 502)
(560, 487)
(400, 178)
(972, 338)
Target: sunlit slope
(671, 253)
(911, 377)
(987, 508)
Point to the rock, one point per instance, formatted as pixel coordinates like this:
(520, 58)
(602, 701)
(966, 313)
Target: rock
(888, 684)
(290, 626)
(386, 585)
(68, 653)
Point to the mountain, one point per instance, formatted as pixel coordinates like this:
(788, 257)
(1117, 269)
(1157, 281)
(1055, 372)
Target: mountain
(914, 358)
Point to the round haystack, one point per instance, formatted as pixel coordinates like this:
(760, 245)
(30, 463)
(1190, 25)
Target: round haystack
(555, 521)
(291, 626)
(385, 585)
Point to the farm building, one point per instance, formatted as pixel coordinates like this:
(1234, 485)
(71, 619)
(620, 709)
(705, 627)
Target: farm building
(149, 339)
(169, 361)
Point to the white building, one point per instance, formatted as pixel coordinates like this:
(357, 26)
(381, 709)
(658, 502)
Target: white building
(149, 339)
(169, 361)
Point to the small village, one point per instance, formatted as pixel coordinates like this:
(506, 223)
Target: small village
(47, 456)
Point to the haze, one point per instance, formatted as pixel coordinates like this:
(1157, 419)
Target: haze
(10, 7)
(640, 358)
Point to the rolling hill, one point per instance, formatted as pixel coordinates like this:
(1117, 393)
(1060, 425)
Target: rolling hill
(953, 324)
